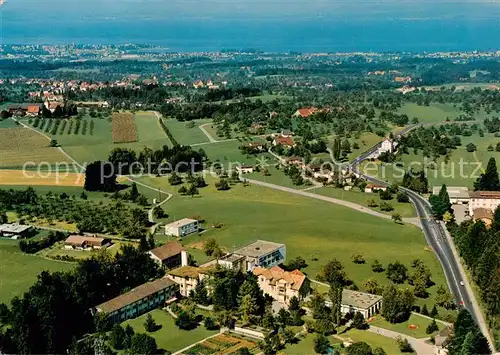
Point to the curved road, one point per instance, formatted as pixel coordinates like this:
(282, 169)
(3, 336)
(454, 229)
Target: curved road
(441, 243)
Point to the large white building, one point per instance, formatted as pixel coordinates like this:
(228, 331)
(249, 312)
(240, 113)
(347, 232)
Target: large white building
(484, 199)
(387, 146)
(355, 301)
(257, 254)
(458, 194)
(282, 285)
(182, 227)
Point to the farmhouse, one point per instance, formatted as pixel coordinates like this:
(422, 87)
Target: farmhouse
(284, 141)
(483, 214)
(170, 255)
(484, 199)
(15, 230)
(244, 169)
(182, 227)
(458, 194)
(305, 112)
(257, 254)
(282, 285)
(355, 301)
(33, 109)
(187, 277)
(139, 300)
(85, 242)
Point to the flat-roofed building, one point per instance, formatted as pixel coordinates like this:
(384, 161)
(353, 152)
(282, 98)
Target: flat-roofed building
(15, 230)
(484, 199)
(170, 255)
(139, 300)
(259, 253)
(233, 261)
(458, 194)
(182, 227)
(85, 242)
(355, 301)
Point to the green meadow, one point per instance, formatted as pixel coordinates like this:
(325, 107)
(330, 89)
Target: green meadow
(462, 169)
(18, 271)
(96, 146)
(187, 136)
(316, 230)
(169, 336)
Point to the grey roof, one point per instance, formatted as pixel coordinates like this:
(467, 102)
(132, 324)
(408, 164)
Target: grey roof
(181, 222)
(15, 228)
(453, 191)
(358, 299)
(134, 295)
(258, 248)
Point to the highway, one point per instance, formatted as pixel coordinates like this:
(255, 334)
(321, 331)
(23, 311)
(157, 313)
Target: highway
(439, 240)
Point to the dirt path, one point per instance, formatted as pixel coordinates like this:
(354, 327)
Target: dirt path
(209, 136)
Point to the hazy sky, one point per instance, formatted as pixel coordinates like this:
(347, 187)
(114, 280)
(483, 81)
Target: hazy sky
(178, 9)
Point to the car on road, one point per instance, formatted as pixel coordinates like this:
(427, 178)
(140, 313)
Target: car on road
(462, 283)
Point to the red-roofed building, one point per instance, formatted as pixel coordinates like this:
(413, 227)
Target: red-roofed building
(305, 112)
(284, 141)
(282, 285)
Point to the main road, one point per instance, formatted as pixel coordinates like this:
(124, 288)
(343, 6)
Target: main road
(441, 243)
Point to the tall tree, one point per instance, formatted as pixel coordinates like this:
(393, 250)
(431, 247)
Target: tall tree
(335, 295)
(489, 180)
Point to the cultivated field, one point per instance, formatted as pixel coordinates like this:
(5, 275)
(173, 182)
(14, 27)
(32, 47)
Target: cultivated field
(30, 178)
(316, 230)
(21, 145)
(96, 146)
(18, 271)
(124, 129)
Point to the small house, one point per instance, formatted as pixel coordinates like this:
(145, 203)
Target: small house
(170, 255)
(83, 242)
(245, 169)
(182, 227)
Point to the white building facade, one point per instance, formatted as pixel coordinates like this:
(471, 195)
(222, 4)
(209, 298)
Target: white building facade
(182, 227)
(484, 199)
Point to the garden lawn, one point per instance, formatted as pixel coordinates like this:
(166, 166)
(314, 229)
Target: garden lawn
(184, 135)
(374, 340)
(404, 209)
(276, 177)
(228, 153)
(169, 337)
(316, 230)
(419, 321)
(18, 271)
(21, 145)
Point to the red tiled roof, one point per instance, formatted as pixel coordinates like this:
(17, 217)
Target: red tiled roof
(284, 140)
(306, 112)
(167, 250)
